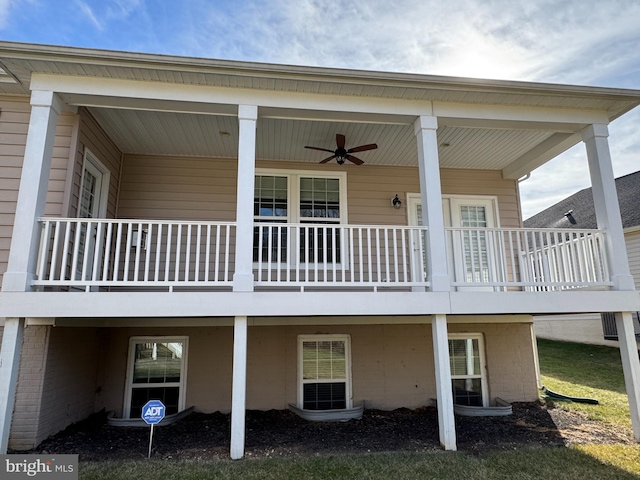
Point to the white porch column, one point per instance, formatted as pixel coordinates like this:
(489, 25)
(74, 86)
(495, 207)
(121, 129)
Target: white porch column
(45, 108)
(444, 393)
(630, 367)
(431, 198)
(243, 276)
(239, 388)
(9, 367)
(606, 205)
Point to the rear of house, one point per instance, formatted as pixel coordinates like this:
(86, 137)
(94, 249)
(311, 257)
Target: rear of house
(165, 234)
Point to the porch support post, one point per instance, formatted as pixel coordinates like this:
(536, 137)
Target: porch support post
(239, 388)
(431, 197)
(243, 276)
(45, 108)
(9, 368)
(444, 394)
(605, 200)
(630, 366)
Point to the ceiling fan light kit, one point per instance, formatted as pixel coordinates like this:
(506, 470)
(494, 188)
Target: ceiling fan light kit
(341, 154)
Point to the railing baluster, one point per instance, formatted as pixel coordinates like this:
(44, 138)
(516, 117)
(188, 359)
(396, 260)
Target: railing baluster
(54, 252)
(198, 245)
(187, 255)
(97, 250)
(138, 247)
(107, 253)
(207, 255)
(147, 248)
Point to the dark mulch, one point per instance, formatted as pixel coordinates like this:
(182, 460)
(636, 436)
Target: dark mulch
(281, 433)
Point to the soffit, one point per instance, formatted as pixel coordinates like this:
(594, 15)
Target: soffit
(177, 134)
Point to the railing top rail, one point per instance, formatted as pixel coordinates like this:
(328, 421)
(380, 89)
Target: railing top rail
(135, 220)
(519, 229)
(339, 225)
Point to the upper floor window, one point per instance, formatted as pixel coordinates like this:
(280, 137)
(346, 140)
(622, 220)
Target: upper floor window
(311, 199)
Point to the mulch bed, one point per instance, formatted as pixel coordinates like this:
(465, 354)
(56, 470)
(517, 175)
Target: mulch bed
(278, 433)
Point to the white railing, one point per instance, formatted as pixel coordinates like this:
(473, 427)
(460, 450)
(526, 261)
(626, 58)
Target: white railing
(533, 259)
(339, 255)
(91, 254)
(86, 253)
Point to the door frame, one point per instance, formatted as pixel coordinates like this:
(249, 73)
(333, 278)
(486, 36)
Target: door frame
(451, 204)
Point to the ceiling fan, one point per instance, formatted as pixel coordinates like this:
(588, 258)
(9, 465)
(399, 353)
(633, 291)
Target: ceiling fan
(341, 154)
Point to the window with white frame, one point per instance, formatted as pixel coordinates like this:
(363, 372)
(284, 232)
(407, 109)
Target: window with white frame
(466, 358)
(311, 199)
(324, 372)
(156, 371)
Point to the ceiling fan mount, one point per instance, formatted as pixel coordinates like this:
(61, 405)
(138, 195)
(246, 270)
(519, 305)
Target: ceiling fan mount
(342, 154)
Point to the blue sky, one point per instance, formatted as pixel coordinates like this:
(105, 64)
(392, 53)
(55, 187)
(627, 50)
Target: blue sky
(583, 42)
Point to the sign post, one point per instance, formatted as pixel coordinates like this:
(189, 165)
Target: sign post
(152, 413)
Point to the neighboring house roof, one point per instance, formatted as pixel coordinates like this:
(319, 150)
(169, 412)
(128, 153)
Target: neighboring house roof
(581, 206)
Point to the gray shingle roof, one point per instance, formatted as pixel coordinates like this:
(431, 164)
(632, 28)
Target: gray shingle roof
(581, 204)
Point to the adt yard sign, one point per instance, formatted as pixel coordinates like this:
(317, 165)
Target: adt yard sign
(153, 412)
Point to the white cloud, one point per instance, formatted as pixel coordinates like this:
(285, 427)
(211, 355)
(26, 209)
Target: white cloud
(88, 12)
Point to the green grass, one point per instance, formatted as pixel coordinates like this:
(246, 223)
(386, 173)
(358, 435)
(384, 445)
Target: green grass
(573, 369)
(586, 371)
(557, 463)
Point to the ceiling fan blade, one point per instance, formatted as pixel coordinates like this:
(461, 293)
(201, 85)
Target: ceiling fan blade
(327, 159)
(321, 149)
(355, 160)
(363, 148)
(340, 140)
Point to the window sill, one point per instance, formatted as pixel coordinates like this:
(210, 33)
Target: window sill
(340, 415)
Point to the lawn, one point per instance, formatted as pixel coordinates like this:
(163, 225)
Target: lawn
(568, 368)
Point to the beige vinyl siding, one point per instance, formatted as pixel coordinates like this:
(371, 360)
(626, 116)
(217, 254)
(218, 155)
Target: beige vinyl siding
(175, 188)
(92, 137)
(14, 126)
(178, 188)
(632, 239)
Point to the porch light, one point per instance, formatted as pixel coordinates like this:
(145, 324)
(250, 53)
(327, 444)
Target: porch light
(396, 202)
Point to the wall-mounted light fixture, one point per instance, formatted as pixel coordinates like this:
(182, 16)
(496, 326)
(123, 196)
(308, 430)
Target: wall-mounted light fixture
(396, 202)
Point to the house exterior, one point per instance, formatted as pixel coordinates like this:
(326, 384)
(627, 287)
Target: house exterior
(577, 211)
(166, 234)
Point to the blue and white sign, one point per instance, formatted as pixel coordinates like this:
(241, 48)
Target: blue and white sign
(153, 412)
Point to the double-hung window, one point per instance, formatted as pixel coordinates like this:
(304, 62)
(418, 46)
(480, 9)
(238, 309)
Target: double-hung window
(156, 371)
(315, 202)
(324, 372)
(466, 358)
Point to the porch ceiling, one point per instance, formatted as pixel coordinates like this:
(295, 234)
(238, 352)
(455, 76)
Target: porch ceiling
(180, 134)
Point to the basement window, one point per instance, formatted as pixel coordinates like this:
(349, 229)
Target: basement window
(324, 372)
(156, 371)
(468, 378)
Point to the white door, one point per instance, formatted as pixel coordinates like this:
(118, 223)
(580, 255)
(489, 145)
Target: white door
(92, 204)
(474, 256)
(469, 253)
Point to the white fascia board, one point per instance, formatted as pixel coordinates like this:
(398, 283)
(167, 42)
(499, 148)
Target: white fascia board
(154, 91)
(587, 301)
(218, 304)
(509, 113)
(264, 304)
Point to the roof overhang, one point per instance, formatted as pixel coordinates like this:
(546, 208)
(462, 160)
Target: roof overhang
(536, 121)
